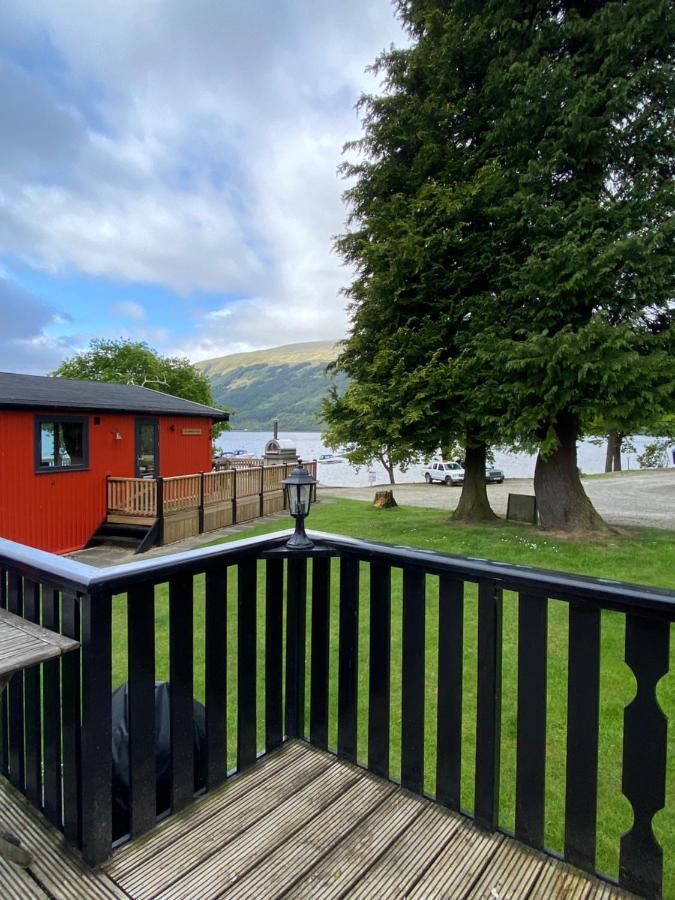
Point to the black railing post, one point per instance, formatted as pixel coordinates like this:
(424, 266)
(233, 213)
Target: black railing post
(4, 731)
(96, 819)
(531, 740)
(71, 729)
(141, 708)
(450, 677)
(215, 674)
(200, 514)
(380, 669)
(247, 619)
(32, 704)
(274, 627)
(181, 669)
(160, 508)
(488, 705)
(296, 613)
(645, 754)
(583, 713)
(348, 658)
(52, 712)
(15, 692)
(318, 724)
(412, 680)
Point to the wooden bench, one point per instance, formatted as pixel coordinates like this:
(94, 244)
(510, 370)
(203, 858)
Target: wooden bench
(24, 644)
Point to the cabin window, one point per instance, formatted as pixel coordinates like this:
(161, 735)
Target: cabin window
(61, 443)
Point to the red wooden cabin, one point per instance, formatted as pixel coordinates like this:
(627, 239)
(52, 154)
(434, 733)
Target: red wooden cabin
(60, 438)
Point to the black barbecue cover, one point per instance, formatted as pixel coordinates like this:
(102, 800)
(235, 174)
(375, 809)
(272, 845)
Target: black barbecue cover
(120, 752)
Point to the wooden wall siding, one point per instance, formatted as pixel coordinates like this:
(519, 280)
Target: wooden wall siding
(59, 510)
(132, 496)
(181, 454)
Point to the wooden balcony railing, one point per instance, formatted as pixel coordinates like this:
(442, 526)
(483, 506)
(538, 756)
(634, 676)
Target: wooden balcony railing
(411, 663)
(132, 496)
(193, 504)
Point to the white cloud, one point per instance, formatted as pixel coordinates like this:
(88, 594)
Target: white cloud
(192, 145)
(25, 344)
(130, 310)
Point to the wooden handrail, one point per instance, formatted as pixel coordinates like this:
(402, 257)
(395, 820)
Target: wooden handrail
(132, 496)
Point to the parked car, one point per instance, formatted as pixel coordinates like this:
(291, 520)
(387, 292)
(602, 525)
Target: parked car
(445, 472)
(493, 476)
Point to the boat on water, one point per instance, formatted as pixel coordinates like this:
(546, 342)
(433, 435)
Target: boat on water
(328, 459)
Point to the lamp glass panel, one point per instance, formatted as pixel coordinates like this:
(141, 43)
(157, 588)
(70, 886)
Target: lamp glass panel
(293, 499)
(305, 491)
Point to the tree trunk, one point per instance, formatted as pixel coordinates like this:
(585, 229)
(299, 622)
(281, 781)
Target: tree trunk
(618, 439)
(384, 500)
(609, 456)
(474, 505)
(389, 466)
(561, 500)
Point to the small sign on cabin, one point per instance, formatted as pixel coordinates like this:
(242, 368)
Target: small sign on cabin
(191, 431)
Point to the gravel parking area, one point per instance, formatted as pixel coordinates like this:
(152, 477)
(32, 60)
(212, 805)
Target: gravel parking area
(641, 498)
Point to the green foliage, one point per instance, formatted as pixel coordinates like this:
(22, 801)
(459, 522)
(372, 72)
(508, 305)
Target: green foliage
(511, 222)
(134, 362)
(362, 423)
(655, 455)
(284, 383)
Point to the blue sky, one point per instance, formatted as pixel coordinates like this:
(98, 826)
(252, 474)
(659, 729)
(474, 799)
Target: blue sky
(168, 171)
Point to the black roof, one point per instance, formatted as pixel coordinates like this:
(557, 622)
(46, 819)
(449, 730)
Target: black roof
(46, 392)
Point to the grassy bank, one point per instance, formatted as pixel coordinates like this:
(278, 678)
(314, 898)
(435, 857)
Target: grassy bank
(645, 556)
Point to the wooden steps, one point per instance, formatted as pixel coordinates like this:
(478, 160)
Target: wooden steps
(137, 533)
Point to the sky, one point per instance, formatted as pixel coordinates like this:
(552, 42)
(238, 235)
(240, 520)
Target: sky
(168, 171)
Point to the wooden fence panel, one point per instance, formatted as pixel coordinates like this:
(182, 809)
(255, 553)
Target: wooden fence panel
(248, 508)
(202, 502)
(248, 481)
(218, 486)
(182, 492)
(132, 496)
(273, 502)
(272, 478)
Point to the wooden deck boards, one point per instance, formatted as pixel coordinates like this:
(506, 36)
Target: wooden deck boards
(55, 873)
(298, 824)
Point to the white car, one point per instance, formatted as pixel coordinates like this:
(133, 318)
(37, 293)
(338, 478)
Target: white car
(445, 472)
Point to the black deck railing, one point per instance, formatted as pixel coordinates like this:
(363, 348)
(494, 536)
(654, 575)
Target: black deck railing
(319, 625)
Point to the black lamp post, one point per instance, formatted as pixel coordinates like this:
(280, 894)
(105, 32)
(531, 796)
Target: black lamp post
(299, 487)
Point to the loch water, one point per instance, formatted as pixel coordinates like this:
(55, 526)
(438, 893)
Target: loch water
(308, 444)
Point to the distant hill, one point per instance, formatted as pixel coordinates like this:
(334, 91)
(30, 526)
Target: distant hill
(287, 383)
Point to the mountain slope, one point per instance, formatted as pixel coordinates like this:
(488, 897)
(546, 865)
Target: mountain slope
(287, 383)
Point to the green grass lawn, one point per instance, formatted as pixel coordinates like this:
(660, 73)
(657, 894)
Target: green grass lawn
(644, 556)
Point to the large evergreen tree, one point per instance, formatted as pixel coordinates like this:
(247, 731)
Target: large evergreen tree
(510, 225)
